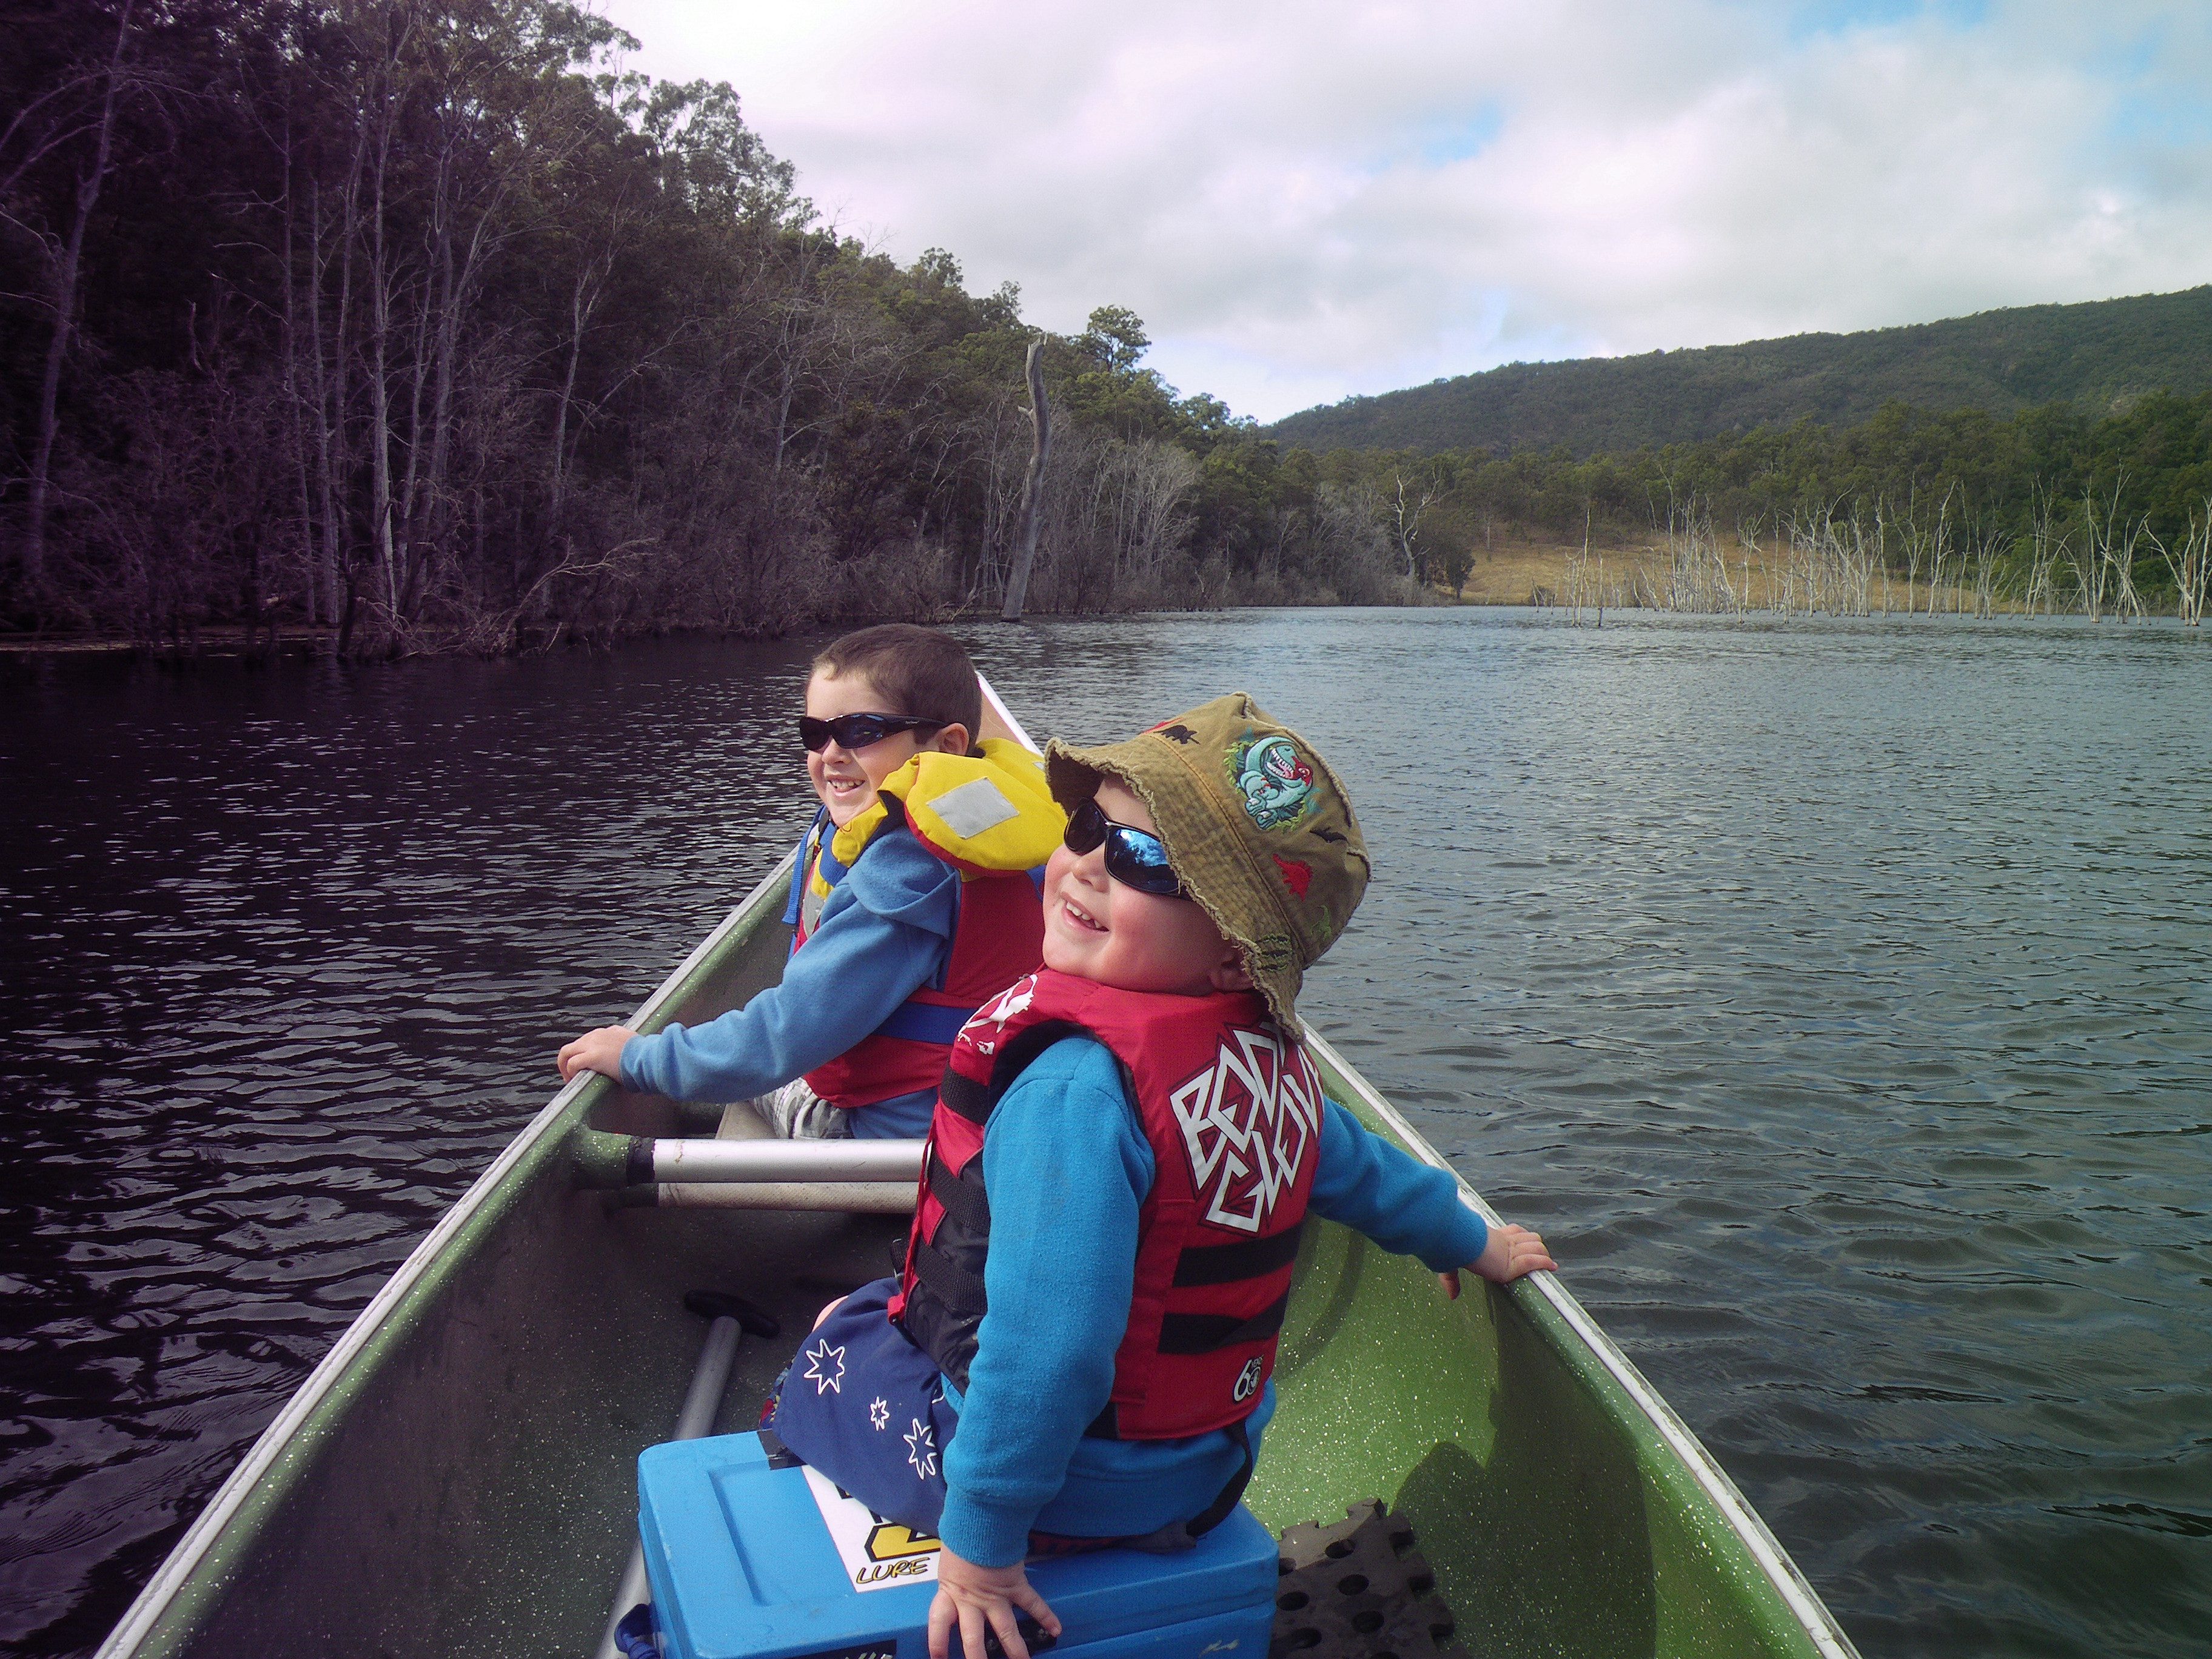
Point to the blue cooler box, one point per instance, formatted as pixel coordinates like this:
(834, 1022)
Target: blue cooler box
(756, 1557)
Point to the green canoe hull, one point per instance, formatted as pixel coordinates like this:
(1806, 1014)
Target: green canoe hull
(457, 1476)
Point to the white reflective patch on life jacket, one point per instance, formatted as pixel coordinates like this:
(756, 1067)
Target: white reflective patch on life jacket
(974, 807)
(993, 1015)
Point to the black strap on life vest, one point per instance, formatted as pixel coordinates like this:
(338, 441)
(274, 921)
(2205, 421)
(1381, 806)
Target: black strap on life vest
(962, 1196)
(1192, 1334)
(1217, 1511)
(1179, 1535)
(962, 1094)
(966, 1203)
(973, 1101)
(1248, 1258)
(960, 1291)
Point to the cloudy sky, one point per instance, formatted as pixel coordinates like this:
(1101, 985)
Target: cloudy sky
(1306, 200)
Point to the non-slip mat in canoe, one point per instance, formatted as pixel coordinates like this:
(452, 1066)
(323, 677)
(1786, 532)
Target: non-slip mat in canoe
(1359, 1590)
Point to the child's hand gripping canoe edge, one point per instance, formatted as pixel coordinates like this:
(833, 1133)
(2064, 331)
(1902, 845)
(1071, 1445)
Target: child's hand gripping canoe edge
(597, 1051)
(1512, 1251)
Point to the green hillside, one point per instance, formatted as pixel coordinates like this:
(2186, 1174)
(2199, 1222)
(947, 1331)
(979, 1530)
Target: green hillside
(2097, 355)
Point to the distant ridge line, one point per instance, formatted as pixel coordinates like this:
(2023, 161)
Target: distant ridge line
(2100, 354)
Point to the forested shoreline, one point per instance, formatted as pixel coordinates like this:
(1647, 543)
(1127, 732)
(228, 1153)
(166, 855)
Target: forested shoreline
(424, 326)
(426, 323)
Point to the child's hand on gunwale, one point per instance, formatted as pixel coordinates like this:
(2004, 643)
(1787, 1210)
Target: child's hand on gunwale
(597, 1051)
(1512, 1251)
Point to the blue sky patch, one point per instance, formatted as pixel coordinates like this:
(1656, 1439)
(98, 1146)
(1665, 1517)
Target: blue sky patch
(1460, 138)
(1809, 19)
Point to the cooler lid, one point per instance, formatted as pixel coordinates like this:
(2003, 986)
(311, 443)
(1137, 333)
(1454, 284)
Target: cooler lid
(748, 1558)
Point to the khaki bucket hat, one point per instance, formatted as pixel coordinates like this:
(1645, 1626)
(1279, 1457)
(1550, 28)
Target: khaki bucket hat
(1257, 826)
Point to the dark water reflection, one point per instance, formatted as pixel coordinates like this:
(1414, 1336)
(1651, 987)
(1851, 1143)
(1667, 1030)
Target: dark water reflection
(1834, 996)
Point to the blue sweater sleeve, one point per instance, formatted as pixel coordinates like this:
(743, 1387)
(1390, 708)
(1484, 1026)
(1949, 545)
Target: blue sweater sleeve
(883, 935)
(1065, 1168)
(1402, 1204)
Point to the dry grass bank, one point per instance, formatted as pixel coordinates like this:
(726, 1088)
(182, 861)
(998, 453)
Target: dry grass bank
(1536, 572)
(1515, 573)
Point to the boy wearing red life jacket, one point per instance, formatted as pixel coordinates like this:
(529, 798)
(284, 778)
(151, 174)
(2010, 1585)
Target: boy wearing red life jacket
(1123, 1154)
(914, 899)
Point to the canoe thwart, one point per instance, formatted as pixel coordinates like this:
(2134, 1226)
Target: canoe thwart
(845, 1197)
(603, 1160)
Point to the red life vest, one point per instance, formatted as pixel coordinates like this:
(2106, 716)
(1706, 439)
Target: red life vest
(998, 935)
(1232, 1108)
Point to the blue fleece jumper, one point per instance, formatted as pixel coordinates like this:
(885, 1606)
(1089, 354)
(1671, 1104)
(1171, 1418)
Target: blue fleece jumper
(885, 931)
(1066, 1165)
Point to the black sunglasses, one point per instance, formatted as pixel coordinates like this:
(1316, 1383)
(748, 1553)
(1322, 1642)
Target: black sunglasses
(857, 730)
(1135, 858)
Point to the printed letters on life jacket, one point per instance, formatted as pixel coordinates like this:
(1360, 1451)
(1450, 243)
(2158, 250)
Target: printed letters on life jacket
(1232, 1109)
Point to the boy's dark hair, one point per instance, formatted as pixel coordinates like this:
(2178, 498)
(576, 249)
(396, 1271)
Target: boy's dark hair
(916, 671)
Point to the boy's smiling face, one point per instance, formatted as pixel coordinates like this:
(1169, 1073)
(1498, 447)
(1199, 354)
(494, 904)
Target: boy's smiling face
(847, 779)
(1097, 929)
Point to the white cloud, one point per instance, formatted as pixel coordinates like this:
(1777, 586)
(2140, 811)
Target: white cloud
(1307, 199)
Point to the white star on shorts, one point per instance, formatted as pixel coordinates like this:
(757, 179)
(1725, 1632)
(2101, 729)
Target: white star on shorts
(819, 1360)
(879, 1415)
(922, 1450)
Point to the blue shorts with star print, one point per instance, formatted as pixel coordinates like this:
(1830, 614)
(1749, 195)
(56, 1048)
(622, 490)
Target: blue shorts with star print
(866, 1407)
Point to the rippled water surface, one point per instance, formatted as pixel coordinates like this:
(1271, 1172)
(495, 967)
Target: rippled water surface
(1834, 996)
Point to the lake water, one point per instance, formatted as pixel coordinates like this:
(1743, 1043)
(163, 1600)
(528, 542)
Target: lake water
(1834, 996)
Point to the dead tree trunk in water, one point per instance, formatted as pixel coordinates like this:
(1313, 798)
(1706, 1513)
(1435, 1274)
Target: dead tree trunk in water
(1025, 527)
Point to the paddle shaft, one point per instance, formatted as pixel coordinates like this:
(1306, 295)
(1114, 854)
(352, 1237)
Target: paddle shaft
(709, 1383)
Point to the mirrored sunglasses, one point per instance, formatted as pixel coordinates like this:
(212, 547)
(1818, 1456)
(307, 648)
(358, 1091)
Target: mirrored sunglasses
(857, 730)
(1135, 857)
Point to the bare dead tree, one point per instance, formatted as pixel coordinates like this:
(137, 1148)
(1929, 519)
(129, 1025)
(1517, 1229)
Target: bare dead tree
(1747, 549)
(1577, 583)
(1939, 546)
(2093, 560)
(62, 302)
(1404, 517)
(1981, 560)
(1914, 551)
(1150, 481)
(1026, 529)
(2191, 566)
(2127, 598)
(2046, 547)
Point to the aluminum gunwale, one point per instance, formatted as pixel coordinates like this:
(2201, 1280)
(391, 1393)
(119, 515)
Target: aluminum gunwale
(1812, 1614)
(176, 1570)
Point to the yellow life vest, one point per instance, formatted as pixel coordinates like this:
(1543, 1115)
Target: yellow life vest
(983, 814)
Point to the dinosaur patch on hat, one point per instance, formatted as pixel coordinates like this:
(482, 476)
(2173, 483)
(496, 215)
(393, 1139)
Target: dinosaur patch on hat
(1276, 781)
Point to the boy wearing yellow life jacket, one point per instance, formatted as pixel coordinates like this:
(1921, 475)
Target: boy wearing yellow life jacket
(916, 898)
(1124, 1151)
